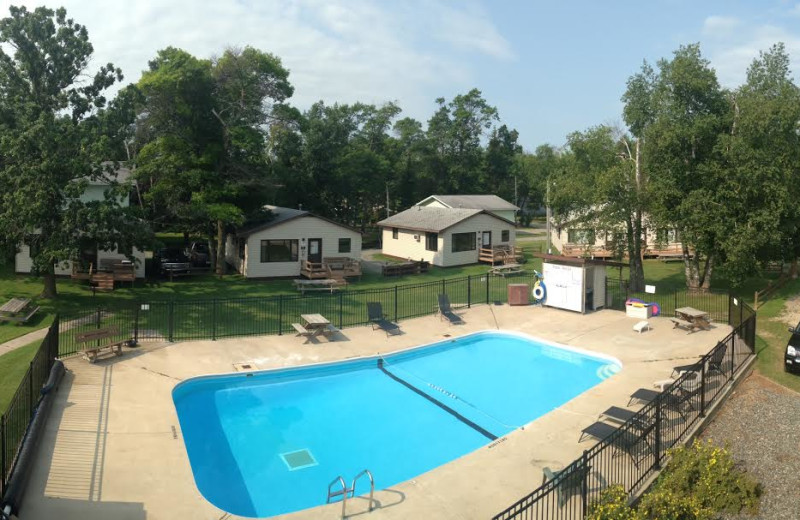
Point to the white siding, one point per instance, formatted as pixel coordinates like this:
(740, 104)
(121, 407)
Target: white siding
(411, 246)
(408, 247)
(298, 229)
(508, 214)
(24, 264)
(476, 224)
(433, 203)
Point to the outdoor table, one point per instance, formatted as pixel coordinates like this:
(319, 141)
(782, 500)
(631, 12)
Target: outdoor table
(17, 310)
(698, 319)
(317, 324)
(504, 269)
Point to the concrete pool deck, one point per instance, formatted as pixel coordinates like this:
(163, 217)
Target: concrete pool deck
(113, 446)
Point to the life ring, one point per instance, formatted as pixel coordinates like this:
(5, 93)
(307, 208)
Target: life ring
(539, 292)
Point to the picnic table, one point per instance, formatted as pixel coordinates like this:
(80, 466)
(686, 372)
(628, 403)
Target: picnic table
(314, 325)
(505, 269)
(691, 319)
(18, 310)
(327, 284)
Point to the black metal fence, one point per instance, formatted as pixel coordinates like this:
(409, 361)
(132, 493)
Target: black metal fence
(175, 320)
(714, 302)
(636, 450)
(14, 422)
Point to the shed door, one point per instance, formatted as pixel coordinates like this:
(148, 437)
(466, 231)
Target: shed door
(315, 250)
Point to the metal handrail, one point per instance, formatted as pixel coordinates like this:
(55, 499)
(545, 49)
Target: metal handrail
(343, 492)
(371, 485)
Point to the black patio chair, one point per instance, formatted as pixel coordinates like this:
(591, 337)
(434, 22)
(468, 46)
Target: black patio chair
(446, 311)
(629, 442)
(378, 319)
(676, 399)
(714, 362)
(566, 482)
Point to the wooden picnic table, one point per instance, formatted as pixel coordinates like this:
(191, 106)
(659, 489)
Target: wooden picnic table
(691, 319)
(314, 325)
(18, 310)
(504, 269)
(327, 284)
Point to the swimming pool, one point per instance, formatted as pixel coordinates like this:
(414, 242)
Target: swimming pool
(266, 443)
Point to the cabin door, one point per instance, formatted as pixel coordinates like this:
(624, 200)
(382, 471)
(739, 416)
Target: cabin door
(486, 239)
(315, 250)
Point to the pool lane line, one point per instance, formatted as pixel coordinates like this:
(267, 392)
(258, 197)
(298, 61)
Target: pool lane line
(443, 406)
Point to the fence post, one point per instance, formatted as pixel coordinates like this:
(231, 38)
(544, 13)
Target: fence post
(733, 353)
(584, 483)
(214, 319)
(657, 441)
(703, 388)
(341, 304)
(395, 303)
(136, 323)
(469, 291)
(2, 454)
(171, 319)
(444, 291)
(30, 388)
(487, 289)
(675, 305)
(280, 314)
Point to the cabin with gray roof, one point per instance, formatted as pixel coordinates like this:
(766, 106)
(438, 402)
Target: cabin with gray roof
(491, 203)
(276, 247)
(444, 236)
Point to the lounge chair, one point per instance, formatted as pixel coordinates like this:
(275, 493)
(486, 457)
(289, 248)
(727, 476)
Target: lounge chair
(567, 483)
(714, 362)
(670, 401)
(625, 441)
(445, 311)
(623, 415)
(378, 319)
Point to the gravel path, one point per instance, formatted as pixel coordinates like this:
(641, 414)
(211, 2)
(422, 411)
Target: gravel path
(761, 424)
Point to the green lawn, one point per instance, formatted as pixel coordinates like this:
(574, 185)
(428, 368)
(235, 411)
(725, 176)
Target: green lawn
(13, 366)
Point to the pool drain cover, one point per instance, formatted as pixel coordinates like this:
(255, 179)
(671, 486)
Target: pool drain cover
(298, 459)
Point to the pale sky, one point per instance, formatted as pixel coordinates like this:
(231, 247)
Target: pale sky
(550, 67)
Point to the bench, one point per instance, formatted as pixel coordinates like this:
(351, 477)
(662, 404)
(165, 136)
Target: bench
(642, 326)
(301, 331)
(679, 323)
(100, 336)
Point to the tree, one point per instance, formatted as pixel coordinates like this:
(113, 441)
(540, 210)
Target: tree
(689, 113)
(53, 139)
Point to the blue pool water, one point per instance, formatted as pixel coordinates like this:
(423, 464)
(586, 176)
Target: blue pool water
(268, 443)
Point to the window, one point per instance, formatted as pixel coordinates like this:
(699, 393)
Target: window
(394, 233)
(278, 251)
(504, 235)
(580, 236)
(431, 241)
(344, 245)
(463, 242)
(666, 236)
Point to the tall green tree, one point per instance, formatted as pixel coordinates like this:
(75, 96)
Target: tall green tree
(690, 112)
(53, 138)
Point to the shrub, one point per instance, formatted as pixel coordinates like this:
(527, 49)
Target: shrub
(699, 482)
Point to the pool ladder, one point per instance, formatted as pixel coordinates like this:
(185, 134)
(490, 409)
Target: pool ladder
(344, 492)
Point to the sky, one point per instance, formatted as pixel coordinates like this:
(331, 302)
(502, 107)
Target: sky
(550, 67)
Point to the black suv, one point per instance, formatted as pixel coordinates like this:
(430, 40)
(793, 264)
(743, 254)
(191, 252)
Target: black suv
(792, 356)
(172, 261)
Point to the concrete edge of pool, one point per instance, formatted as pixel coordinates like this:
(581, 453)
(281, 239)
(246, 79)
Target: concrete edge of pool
(112, 447)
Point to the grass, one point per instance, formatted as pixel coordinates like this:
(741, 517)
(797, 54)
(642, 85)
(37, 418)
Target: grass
(13, 366)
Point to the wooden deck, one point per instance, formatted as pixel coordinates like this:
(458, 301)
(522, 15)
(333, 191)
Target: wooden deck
(501, 255)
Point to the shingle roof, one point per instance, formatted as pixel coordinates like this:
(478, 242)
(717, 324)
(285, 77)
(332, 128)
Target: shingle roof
(487, 202)
(281, 215)
(423, 218)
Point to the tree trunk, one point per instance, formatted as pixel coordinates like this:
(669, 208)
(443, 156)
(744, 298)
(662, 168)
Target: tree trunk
(49, 277)
(705, 281)
(220, 267)
(793, 269)
(691, 268)
(635, 264)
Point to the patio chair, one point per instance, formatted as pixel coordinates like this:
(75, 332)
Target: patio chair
(445, 311)
(714, 362)
(623, 416)
(676, 401)
(566, 482)
(378, 319)
(625, 441)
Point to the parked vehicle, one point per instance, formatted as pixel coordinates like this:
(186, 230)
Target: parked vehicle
(199, 254)
(791, 357)
(172, 261)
